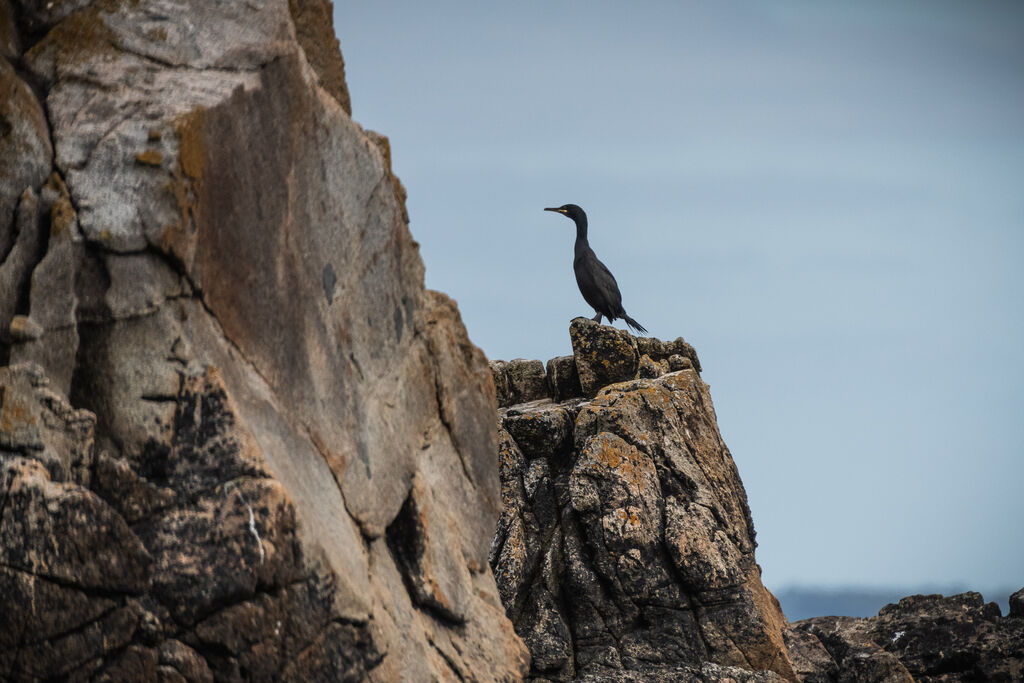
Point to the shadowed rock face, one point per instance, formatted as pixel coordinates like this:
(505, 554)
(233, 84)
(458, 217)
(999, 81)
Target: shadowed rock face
(626, 548)
(238, 438)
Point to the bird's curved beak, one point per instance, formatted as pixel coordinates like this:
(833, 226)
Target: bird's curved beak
(556, 210)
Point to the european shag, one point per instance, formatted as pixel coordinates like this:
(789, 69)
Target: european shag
(597, 284)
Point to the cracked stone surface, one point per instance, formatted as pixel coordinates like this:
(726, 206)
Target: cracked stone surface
(928, 638)
(626, 548)
(239, 440)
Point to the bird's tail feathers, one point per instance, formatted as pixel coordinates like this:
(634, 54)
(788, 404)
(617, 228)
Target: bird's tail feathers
(637, 327)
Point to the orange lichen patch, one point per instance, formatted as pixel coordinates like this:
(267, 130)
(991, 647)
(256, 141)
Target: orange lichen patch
(192, 143)
(13, 414)
(609, 456)
(150, 157)
(185, 185)
(178, 238)
(681, 381)
(81, 35)
(628, 517)
(626, 461)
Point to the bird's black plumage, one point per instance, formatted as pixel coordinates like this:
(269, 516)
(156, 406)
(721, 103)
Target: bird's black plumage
(597, 284)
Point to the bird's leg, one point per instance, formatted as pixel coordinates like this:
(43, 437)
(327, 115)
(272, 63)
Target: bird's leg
(597, 318)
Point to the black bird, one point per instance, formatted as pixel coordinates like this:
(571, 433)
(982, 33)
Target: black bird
(597, 284)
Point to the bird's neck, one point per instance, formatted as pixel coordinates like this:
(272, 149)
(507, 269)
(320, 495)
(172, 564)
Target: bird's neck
(581, 235)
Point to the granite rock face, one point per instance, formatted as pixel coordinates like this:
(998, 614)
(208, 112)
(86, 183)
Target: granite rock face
(626, 549)
(238, 438)
(928, 638)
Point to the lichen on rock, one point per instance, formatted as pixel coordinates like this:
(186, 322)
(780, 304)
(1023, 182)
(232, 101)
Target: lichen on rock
(626, 547)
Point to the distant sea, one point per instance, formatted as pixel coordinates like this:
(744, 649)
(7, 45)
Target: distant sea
(801, 602)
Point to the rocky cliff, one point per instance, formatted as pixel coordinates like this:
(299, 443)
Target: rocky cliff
(625, 551)
(626, 548)
(240, 440)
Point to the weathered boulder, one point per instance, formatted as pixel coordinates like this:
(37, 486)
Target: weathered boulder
(239, 438)
(626, 548)
(602, 355)
(920, 638)
(1017, 604)
(839, 649)
(519, 381)
(563, 378)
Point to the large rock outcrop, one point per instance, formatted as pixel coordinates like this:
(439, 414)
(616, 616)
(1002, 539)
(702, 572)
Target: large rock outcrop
(926, 638)
(625, 551)
(238, 438)
(626, 548)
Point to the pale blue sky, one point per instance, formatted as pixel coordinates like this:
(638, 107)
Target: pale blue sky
(826, 199)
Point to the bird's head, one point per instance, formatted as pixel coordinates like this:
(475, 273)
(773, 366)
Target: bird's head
(572, 211)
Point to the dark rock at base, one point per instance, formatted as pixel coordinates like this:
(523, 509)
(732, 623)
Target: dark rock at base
(706, 673)
(839, 649)
(922, 638)
(962, 634)
(1017, 604)
(185, 662)
(812, 662)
